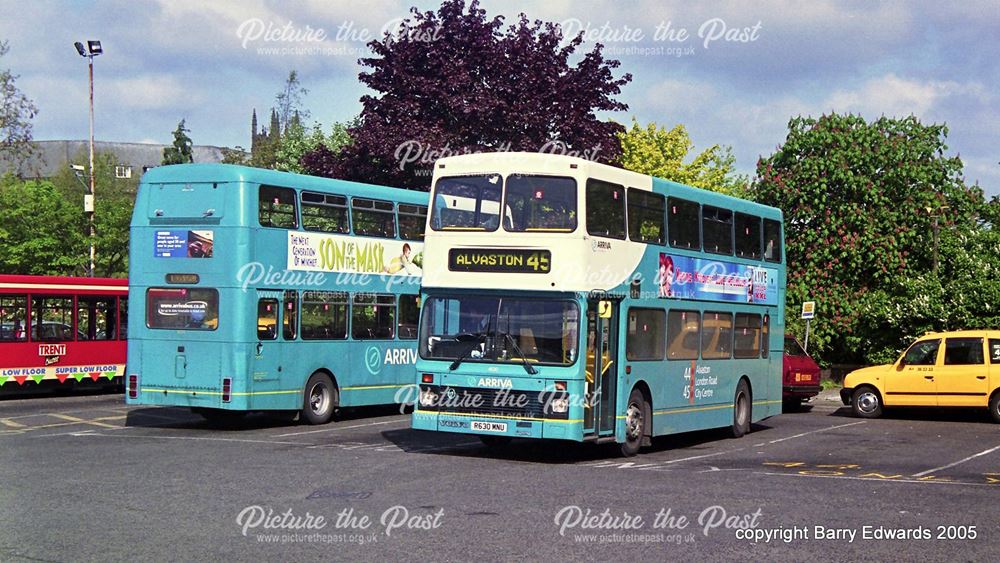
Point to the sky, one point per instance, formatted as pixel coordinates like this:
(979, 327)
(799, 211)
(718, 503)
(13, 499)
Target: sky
(733, 73)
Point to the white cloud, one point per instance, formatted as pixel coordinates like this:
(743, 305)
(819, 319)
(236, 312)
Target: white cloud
(892, 95)
(151, 92)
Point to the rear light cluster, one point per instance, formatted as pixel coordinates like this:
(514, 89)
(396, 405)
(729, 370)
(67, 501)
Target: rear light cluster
(227, 389)
(133, 386)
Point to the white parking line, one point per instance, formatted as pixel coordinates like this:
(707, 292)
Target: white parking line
(331, 429)
(808, 433)
(959, 462)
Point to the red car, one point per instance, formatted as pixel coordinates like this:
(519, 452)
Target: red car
(800, 375)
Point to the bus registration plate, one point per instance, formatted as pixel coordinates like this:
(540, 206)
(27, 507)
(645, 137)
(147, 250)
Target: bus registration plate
(489, 426)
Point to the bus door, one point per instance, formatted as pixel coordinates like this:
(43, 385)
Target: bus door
(602, 380)
(267, 353)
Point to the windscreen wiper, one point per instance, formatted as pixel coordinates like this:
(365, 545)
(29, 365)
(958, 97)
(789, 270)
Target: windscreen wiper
(480, 338)
(524, 360)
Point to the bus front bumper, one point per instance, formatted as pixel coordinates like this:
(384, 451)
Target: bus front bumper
(484, 425)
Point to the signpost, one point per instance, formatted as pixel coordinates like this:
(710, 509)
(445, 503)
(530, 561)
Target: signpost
(808, 312)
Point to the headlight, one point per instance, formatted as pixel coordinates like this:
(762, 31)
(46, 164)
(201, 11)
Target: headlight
(560, 405)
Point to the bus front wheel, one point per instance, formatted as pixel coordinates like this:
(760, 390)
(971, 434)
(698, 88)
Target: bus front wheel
(741, 410)
(635, 423)
(320, 399)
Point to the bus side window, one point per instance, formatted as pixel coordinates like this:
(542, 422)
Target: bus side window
(645, 216)
(95, 317)
(373, 316)
(373, 218)
(412, 219)
(267, 319)
(682, 223)
(605, 209)
(717, 230)
(123, 318)
(717, 336)
(645, 338)
(747, 236)
(324, 315)
(765, 343)
(409, 313)
(772, 240)
(326, 213)
(52, 319)
(290, 318)
(683, 335)
(276, 207)
(13, 318)
(747, 340)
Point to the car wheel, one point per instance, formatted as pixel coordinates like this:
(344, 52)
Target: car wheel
(995, 406)
(866, 402)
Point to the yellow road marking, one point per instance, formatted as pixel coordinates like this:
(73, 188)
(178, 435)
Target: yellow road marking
(10, 423)
(76, 420)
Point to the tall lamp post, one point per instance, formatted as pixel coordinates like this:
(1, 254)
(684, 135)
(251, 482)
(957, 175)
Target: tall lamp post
(92, 50)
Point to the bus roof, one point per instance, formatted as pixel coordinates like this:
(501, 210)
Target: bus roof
(19, 282)
(203, 173)
(533, 162)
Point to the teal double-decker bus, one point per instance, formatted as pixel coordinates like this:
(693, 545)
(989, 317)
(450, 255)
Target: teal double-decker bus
(262, 290)
(577, 301)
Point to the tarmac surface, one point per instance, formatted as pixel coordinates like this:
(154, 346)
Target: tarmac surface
(86, 478)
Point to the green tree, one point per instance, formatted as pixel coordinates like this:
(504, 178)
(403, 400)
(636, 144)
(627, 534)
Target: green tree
(861, 201)
(41, 231)
(115, 199)
(235, 155)
(289, 102)
(181, 151)
(660, 152)
(297, 141)
(16, 113)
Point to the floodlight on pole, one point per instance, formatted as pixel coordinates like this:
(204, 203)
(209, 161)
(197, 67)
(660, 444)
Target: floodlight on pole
(93, 49)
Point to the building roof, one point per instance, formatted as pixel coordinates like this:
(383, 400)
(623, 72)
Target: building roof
(52, 156)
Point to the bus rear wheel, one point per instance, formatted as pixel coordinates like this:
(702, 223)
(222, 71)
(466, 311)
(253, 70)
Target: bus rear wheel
(320, 399)
(635, 423)
(741, 410)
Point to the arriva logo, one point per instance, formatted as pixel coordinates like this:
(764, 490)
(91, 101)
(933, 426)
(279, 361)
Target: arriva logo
(374, 360)
(495, 382)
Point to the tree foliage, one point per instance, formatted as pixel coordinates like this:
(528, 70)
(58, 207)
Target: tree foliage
(660, 152)
(289, 101)
(16, 113)
(861, 201)
(181, 152)
(297, 142)
(44, 231)
(456, 81)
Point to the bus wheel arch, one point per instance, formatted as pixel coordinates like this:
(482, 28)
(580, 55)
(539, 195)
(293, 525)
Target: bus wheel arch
(647, 437)
(320, 397)
(742, 408)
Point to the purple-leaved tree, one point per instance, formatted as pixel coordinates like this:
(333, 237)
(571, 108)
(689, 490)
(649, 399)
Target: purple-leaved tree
(455, 81)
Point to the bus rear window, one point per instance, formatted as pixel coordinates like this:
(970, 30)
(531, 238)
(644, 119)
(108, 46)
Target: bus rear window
(182, 308)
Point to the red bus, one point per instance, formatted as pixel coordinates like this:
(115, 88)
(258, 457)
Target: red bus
(62, 329)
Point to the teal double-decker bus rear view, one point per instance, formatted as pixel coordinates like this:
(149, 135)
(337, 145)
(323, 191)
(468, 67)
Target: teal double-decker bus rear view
(264, 290)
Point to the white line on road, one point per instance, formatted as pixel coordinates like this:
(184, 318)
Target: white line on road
(195, 438)
(338, 428)
(959, 462)
(808, 433)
